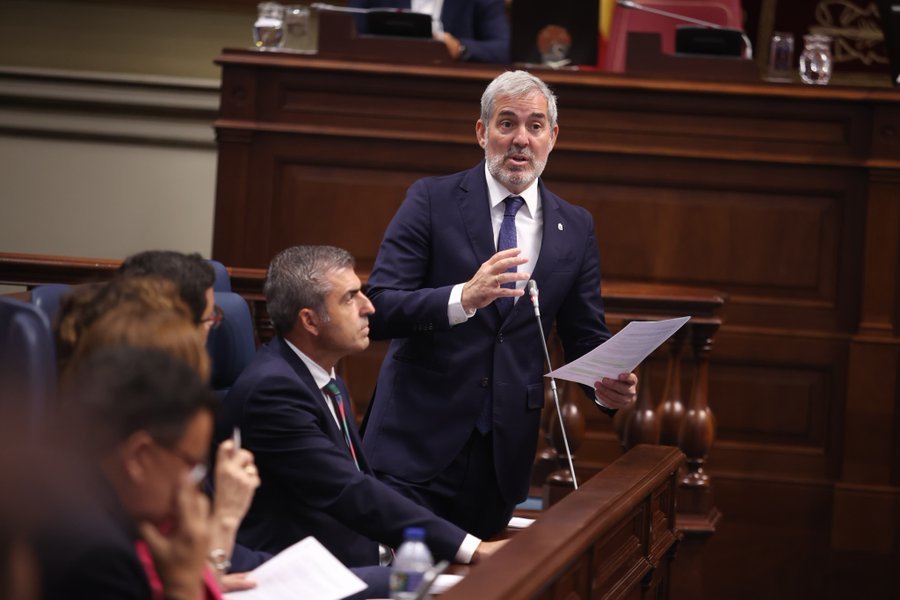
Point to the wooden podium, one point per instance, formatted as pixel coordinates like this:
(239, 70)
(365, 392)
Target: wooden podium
(339, 40)
(646, 58)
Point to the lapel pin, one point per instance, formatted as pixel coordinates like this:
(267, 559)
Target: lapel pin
(559, 226)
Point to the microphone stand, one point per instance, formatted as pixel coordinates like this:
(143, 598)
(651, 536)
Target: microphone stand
(533, 294)
(344, 9)
(748, 47)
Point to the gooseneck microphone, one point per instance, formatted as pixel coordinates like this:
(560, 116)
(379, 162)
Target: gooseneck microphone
(533, 295)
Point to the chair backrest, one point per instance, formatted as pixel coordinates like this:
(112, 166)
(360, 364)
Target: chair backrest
(726, 13)
(223, 280)
(232, 345)
(27, 364)
(47, 298)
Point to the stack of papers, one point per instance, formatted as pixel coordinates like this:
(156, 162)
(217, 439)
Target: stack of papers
(305, 570)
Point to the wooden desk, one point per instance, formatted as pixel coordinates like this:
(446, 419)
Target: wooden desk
(615, 537)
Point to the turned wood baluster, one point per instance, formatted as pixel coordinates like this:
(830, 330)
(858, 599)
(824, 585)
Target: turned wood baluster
(546, 460)
(641, 426)
(559, 483)
(698, 427)
(670, 411)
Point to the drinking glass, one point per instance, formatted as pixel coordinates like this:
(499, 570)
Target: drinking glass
(781, 56)
(299, 28)
(268, 29)
(815, 60)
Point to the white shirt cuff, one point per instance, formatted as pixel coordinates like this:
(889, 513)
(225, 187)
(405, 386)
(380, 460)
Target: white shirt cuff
(598, 401)
(456, 314)
(467, 549)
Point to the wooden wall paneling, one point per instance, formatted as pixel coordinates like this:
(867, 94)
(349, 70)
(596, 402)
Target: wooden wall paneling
(772, 542)
(881, 298)
(778, 399)
(684, 122)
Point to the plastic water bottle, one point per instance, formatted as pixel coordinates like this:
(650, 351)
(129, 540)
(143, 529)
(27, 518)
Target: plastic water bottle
(411, 563)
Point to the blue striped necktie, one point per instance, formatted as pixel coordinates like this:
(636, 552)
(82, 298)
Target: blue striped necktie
(506, 240)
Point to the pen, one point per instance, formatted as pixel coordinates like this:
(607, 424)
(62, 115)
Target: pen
(236, 438)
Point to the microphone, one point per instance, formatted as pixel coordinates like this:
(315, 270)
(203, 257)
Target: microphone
(748, 47)
(533, 295)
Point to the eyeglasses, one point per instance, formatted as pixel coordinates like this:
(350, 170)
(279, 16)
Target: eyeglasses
(214, 320)
(199, 469)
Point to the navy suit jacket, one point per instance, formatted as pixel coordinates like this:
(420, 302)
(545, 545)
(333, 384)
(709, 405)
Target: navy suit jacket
(309, 484)
(87, 549)
(481, 25)
(435, 379)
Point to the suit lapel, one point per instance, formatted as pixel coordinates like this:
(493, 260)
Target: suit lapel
(552, 235)
(333, 429)
(472, 199)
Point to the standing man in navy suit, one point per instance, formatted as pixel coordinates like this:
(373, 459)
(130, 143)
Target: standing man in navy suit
(294, 415)
(455, 415)
(472, 30)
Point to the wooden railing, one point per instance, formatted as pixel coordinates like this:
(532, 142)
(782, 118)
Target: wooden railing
(614, 538)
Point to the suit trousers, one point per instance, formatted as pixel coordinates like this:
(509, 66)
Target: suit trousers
(466, 492)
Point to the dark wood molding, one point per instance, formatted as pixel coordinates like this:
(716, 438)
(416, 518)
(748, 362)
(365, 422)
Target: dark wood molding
(614, 538)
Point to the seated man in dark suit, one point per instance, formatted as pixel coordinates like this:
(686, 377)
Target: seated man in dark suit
(472, 30)
(143, 420)
(294, 416)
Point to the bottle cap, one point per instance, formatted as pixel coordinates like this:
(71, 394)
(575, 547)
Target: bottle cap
(415, 534)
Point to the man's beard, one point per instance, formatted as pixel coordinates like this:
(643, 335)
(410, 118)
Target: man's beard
(514, 178)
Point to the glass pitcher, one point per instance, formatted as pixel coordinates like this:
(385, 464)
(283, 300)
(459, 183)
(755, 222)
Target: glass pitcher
(815, 60)
(268, 30)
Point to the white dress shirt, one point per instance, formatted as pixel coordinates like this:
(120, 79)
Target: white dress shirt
(467, 549)
(433, 8)
(529, 225)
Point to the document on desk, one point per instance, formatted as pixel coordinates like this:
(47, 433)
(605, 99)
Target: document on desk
(305, 570)
(621, 353)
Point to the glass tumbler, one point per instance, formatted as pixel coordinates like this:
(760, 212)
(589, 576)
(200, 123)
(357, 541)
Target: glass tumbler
(781, 56)
(299, 29)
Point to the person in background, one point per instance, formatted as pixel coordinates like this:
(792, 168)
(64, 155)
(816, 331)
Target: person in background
(294, 415)
(454, 420)
(152, 316)
(472, 30)
(192, 275)
(80, 308)
(141, 420)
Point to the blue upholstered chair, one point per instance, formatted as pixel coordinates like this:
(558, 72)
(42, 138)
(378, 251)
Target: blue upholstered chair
(27, 364)
(47, 298)
(223, 280)
(232, 345)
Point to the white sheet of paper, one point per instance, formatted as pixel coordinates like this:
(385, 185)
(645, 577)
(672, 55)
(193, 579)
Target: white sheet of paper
(621, 353)
(305, 570)
(444, 582)
(520, 522)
